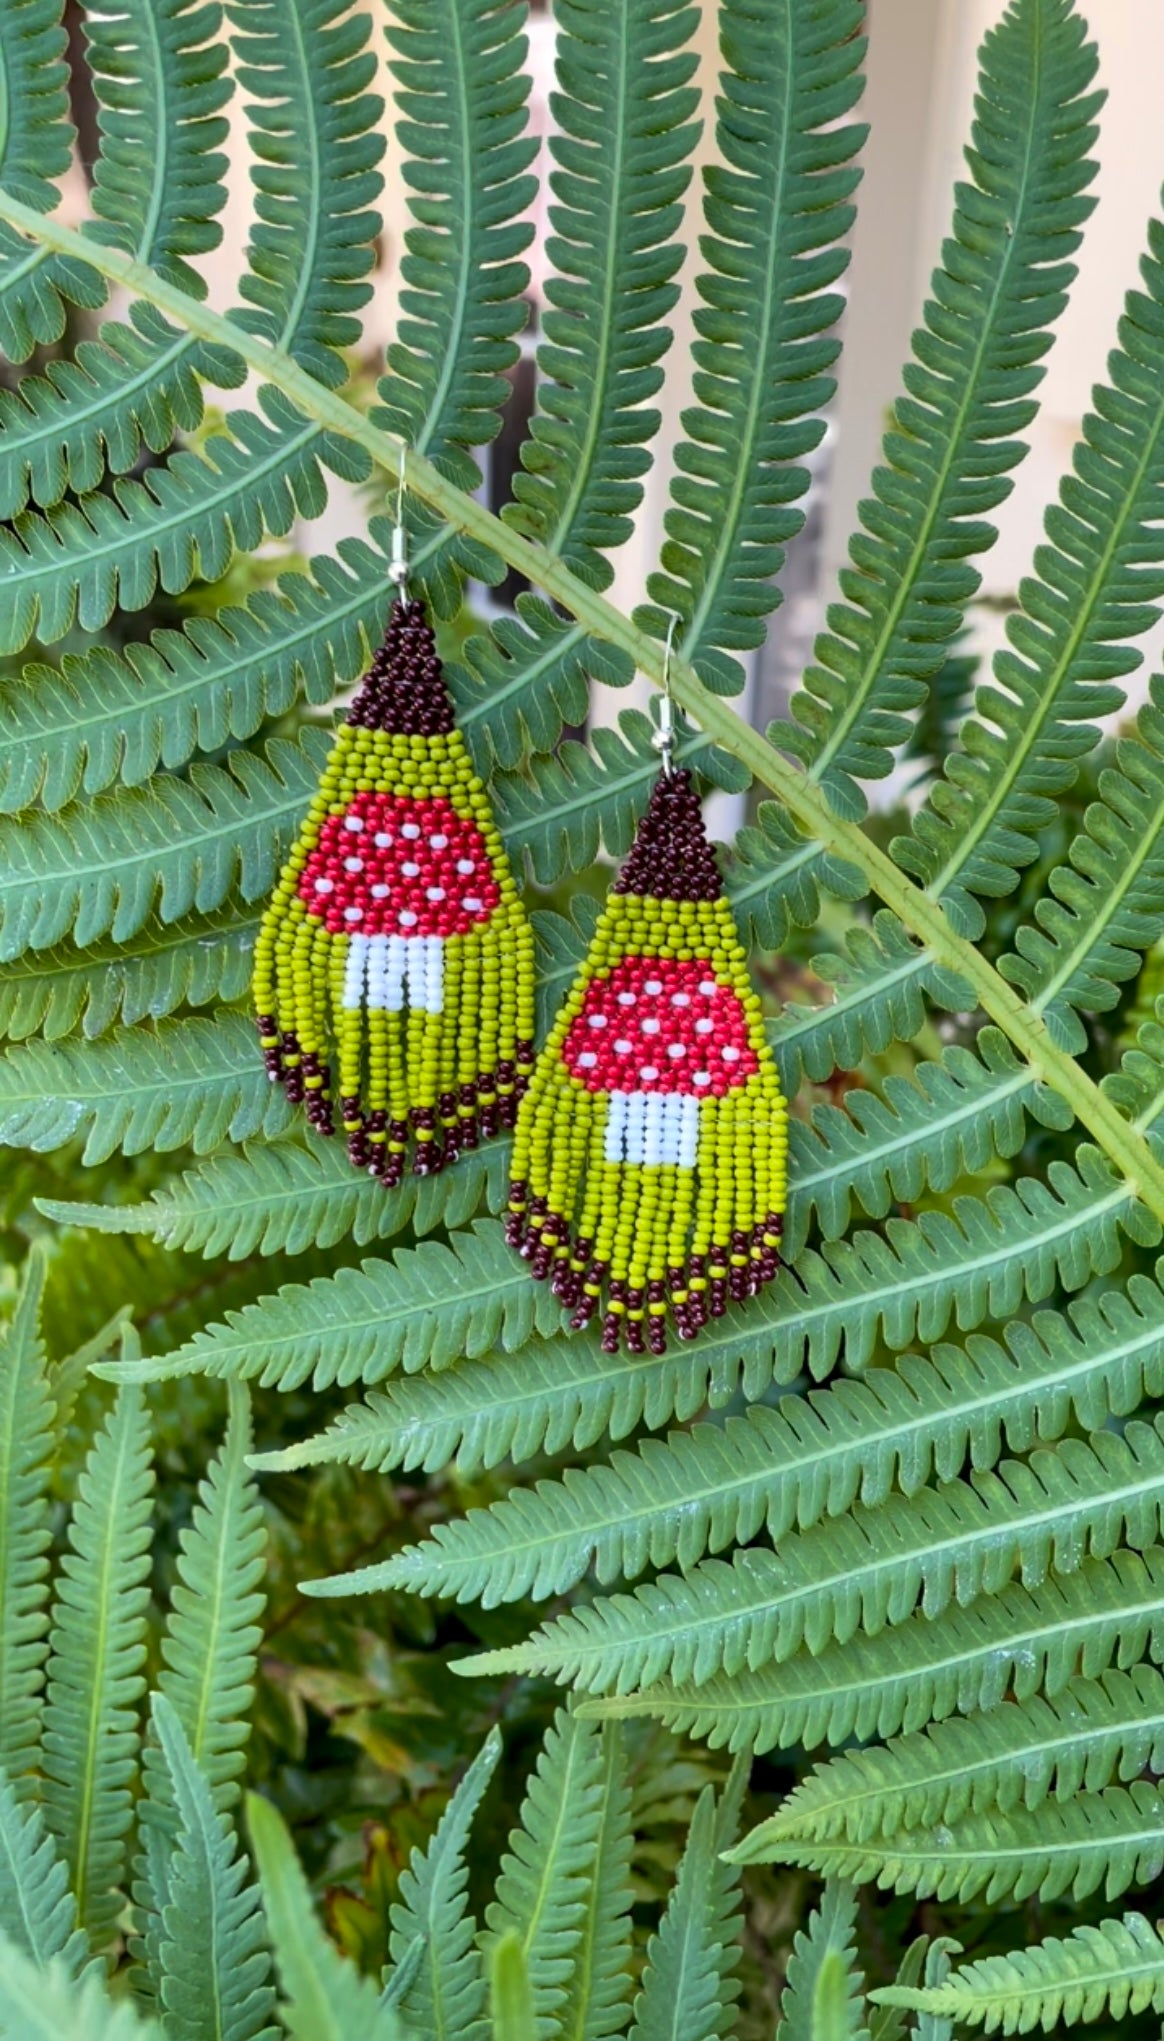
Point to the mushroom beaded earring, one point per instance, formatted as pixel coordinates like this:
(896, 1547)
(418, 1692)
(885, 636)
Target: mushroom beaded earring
(395, 940)
(650, 1154)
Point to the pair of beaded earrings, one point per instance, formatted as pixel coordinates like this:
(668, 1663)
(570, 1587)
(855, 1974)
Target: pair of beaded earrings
(394, 969)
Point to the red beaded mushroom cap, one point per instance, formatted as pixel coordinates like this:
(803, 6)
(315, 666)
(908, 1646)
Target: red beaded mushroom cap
(399, 865)
(656, 1024)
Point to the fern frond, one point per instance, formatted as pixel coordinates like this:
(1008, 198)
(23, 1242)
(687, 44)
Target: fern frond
(953, 1117)
(49, 2004)
(862, 1571)
(26, 1454)
(445, 1997)
(1099, 582)
(1107, 1841)
(282, 1198)
(36, 147)
(954, 438)
(880, 984)
(598, 1991)
(324, 1998)
(689, 1988)
(584, 798)
(1116, 1967)
(160, 87)
(461, 91)
(95, 1672)
(37, 1908)
(777, 213)
(1014, 1756)
(778, 1469)
(305, 66)
(623, 131)
(100, 408)
(1104, 907)
(214, 1961)
(212, 1634)
(201, 961)
(822, 1999)
(187, 1083)
(1021, 1640)
(179, 845)
(549, 1397)
(76, 563)
(432, 1305)
(160, 81)
(528, 680)
(544, 1886)
(776, 876)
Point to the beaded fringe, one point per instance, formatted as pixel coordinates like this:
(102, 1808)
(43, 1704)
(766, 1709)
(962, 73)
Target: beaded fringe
(651, 1149)
(394, 966)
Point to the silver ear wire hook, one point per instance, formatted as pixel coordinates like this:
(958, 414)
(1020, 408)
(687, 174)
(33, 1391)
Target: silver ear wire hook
(398, 564)
(664, 737)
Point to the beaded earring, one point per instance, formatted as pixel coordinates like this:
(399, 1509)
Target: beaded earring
(654, 1122)
(395, 939)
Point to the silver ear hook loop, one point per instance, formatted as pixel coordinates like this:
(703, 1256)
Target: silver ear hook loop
(398, 563)
(664, 737)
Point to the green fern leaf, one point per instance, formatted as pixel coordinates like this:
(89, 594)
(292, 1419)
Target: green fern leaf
(528, 680)
(36, 148)
(432, 1305)
(26, 1451)
(1107, 1841)
(775, 206)
(76, 563)
(461, 93)
(212, 1635)
(187, 1083)
(774, 1470)
(689, 1989)
(599, 1987)
(1116, 1967)
(822, 1998)
(284, 1198)
(777, 875)
(1019, 1641)
(214, 1960)
(202, 961)
(860, 1572)
(324, 1998)
(583, 798)
(880, 984)
(96, 1669)
(49, 2004)
(544, 1885)
(548, 1397)
(968, 395)
(315, 139)
(36, 1905)
(1098, 584)
(955, 1117)
(1091, 1733)
(112, 399)
(160, 89)
(1103, 909)
(445, 1998)
(623, 131)
(178, 846)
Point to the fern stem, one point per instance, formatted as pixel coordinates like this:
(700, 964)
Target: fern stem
(1125, 1148)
